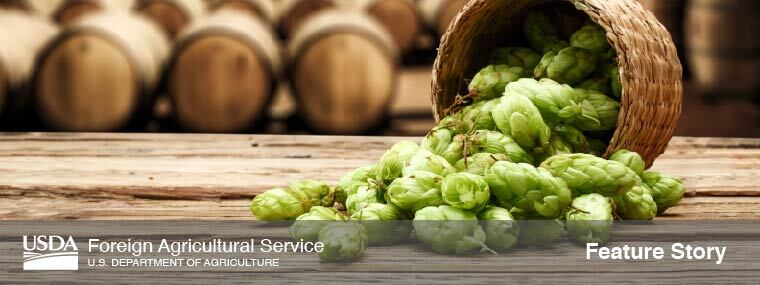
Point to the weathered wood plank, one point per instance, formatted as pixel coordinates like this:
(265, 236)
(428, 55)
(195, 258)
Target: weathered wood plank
(192, 166)
(58, 208)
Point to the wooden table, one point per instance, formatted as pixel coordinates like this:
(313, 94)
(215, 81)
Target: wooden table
(47, 176)
(62, 176)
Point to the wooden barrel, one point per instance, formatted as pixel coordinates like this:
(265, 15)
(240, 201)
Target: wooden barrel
(171, 15)
(22, 35)
(290, 14)
(343, 72)
(722, 45)
(224, 72)
(263, 9)
(100, 72)
(19, 5)
(437, 14)
(69, 11)
(399, 17)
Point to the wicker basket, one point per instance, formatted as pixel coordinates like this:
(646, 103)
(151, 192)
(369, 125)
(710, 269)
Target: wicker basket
(649, 67)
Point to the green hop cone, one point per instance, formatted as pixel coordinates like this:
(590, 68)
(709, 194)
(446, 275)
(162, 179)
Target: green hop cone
(394, 160)
(631, 159)
(597, 147)
(586, 174)
(573, 137)
(557, 145)
(384, 223)
(555, 101)
(425, 160)
(589, 220)
(615, 85)
(465, 191)
(361, 174)
(536, 232)
(603, 111)
(516, 57)
(449, 230)
(363, 195)
(532, 190)
(416, 191)
(667, 191)
(476, 117)
(315, 193)
(636, 204)
(288, 204)
(308, 225)
(498, 143)
(277, 204)
(595, 84)
(539, 30)
(554, 45)
(489, 82)
(478, 163)
(517, 117)
(343, 241)
(568, 66)
(437, 140)
(444, 143)
(591, 37)
(502, 231)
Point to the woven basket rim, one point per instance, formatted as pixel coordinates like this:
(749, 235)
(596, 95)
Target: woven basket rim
(649, 66)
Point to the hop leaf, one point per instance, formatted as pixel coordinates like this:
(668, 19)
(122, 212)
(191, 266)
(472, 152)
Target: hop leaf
(489, 82)
(383, 223)
(343, 241)
(502, 231)
(517, 57)
(533, 191)
(517, 117)
(590, 219)
(636, 204)
(667, 190)
(465, 191)
(394, 160)
(591, 37)
(585, 174)
(308, 225)
(631, 159)
(478, 163)
(425, 160)
(568, 66)
(449, 230)
(416, 191)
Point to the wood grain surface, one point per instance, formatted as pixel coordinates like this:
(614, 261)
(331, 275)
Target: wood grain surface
(183, 176)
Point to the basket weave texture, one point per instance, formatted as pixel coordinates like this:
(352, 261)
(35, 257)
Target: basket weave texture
(650, 71)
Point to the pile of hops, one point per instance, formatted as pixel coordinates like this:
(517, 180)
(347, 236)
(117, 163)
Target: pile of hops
(523, 145)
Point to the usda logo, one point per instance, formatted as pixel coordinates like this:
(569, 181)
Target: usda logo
(50, 253)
